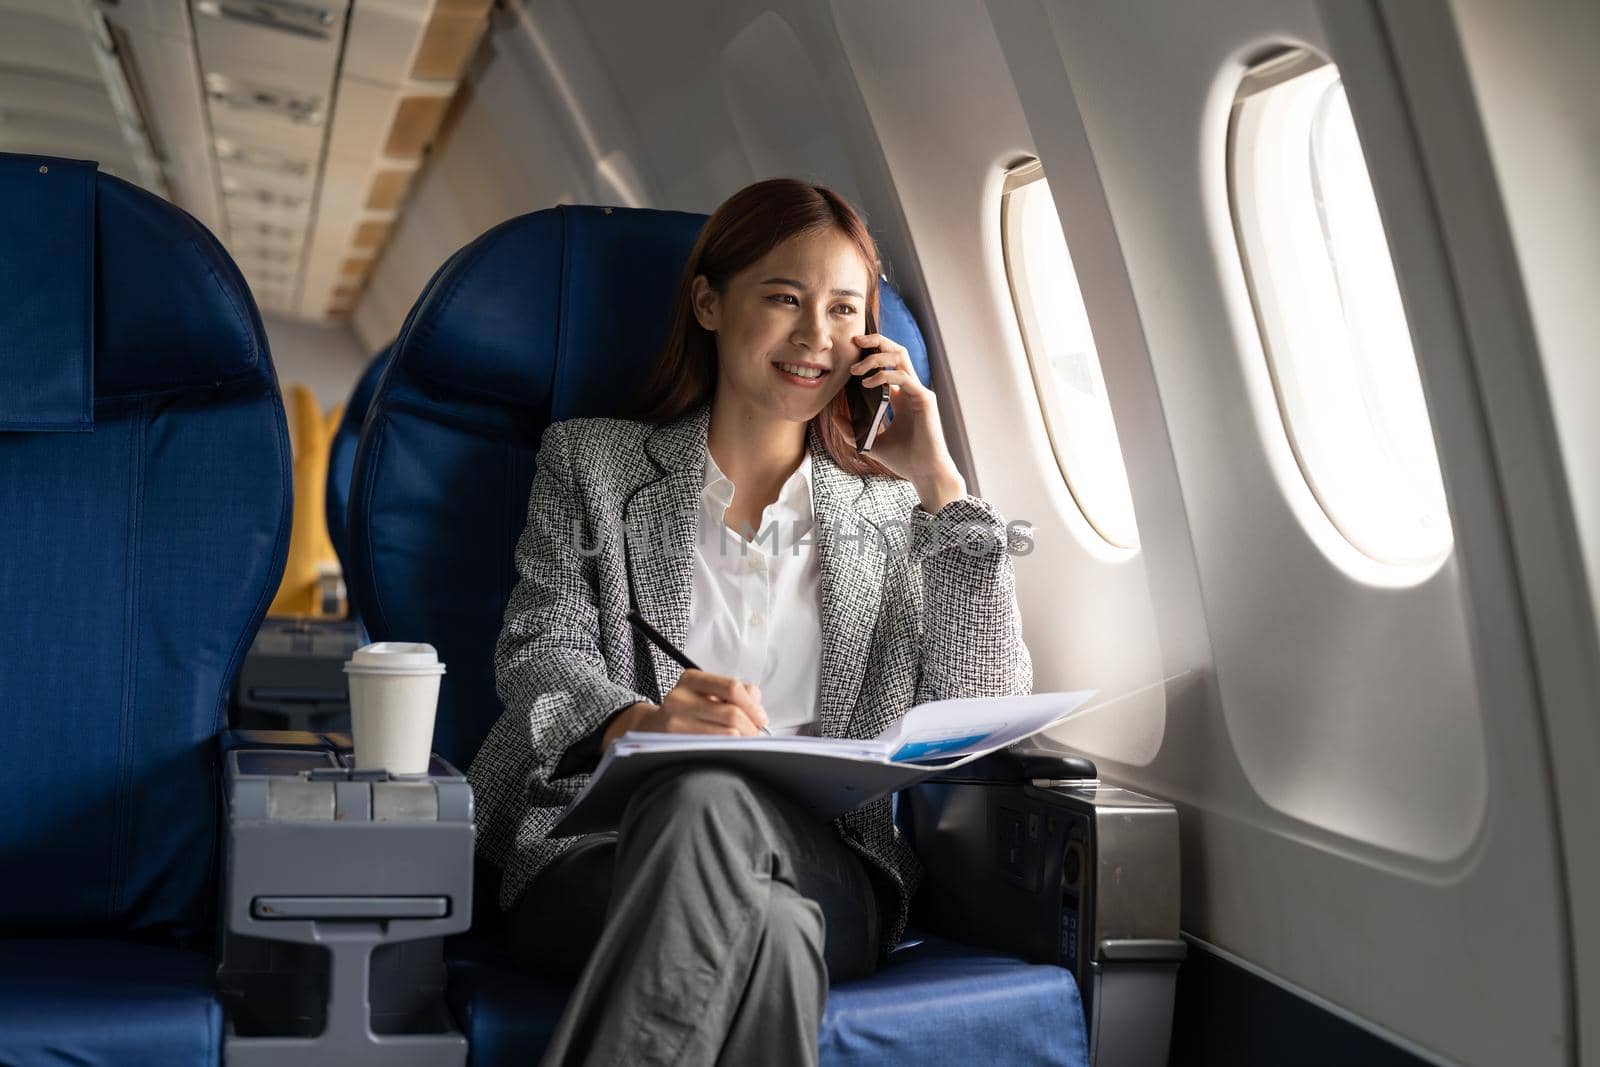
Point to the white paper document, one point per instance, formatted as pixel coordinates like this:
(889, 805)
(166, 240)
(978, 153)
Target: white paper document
(826, 775)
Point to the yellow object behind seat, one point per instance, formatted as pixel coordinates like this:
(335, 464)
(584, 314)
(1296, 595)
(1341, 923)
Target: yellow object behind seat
(311, 552)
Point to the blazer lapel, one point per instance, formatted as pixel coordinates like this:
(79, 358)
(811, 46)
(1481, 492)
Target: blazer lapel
(660, 517)
(852, 559)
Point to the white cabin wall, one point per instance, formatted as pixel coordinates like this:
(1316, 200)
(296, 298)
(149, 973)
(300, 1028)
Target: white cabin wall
(1350, 797)
(329, 359)
(946, 113)
(1537, 88)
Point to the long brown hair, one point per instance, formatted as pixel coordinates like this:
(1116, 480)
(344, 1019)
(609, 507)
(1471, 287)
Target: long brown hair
(748, 225)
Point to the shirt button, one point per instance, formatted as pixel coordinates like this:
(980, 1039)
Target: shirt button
(754, 564)
(757, 619)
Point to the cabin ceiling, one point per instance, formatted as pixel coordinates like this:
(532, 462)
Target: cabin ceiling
(292, 128)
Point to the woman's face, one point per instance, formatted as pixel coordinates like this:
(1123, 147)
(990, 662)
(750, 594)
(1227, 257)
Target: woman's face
(785, 325)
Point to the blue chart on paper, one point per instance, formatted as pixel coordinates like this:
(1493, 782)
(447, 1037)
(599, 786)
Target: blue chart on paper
(916, 750)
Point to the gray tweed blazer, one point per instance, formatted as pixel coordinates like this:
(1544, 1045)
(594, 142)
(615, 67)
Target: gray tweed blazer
(928, 602)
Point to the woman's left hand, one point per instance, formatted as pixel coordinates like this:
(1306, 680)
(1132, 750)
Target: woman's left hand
(912, 445)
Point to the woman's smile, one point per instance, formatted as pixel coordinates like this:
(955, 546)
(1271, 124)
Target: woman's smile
(802, 375)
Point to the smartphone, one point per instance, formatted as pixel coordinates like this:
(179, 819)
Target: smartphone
(869, 408)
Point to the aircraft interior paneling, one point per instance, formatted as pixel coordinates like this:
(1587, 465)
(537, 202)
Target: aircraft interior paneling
(1383, 766)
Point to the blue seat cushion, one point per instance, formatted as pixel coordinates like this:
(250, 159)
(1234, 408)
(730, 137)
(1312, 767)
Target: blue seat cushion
(101, 1003)
(934, 1003)
(937, 1002)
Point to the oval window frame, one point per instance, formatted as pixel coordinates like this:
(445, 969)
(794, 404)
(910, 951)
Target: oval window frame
(1116, 531)
(1283, 65)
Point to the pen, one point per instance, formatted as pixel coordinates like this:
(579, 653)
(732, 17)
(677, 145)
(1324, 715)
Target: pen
(668, 647)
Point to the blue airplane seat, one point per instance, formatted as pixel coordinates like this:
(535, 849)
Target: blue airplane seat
(139, 546)
(342, 454)
(546, 317)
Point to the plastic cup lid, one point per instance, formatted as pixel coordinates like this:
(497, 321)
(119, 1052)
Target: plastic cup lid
(395, 657)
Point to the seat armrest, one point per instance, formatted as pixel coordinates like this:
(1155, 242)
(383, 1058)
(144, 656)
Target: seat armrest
(339, 744)
(1022, 763)
(1073, 872)
(297, 740)
(330, 871)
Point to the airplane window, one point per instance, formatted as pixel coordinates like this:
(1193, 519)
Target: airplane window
(1330, 313)
(1061, 353)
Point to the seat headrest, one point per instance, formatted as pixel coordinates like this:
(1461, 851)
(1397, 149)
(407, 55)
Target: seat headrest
(501, 315)
(47, 274)
(165, 306)
(555, 312)
(171, 309)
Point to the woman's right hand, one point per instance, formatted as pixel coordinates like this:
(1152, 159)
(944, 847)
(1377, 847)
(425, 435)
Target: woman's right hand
(700, 703)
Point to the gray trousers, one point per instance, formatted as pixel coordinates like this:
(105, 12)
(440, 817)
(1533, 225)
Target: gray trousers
(706, 929)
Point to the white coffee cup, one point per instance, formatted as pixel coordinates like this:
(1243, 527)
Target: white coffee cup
(394, 691)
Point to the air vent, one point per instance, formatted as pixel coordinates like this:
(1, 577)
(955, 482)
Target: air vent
(267, 254)
(271, 199)
(264, 99)
(285, 16)
(268, 279)
(271, 231)
(262, 159)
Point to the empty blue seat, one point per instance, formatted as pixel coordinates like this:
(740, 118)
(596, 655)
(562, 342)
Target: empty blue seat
(105, 1002)
(550, 316)
(138, 552)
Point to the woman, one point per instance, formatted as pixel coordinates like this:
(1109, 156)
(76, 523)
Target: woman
(822, 591)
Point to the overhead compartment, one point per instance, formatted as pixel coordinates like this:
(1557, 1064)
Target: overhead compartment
(268, 71)
(294, 129)
(401, 68)
(153, 42)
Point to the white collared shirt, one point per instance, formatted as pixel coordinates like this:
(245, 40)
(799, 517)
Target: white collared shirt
(756, 612)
